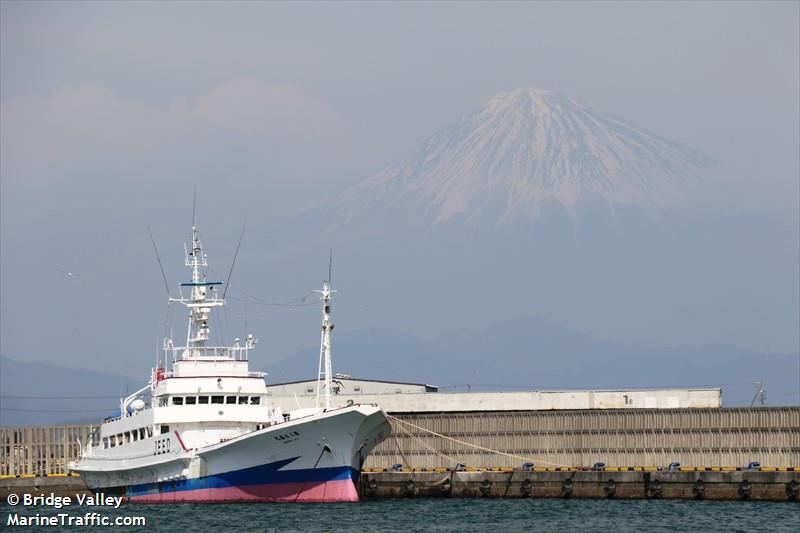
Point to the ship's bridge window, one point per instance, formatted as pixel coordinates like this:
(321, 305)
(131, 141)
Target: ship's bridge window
(113, 440)
(230, 399)
(119, 439)
(135, 435)
(242, 400)
(105, 442)
(177, 400)
(202, 399)
(162, 401)
(149, 431)
(127, 437)
(255, 400)
(217, 399)
(191, 400)
(141, 433)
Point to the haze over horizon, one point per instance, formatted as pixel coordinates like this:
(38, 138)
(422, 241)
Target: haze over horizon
(112, 113)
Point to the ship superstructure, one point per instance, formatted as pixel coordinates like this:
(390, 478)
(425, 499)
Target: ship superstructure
(204, 430)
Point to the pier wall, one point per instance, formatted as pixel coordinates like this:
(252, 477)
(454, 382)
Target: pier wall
(40, 450)
(741, 485)
(581, 438)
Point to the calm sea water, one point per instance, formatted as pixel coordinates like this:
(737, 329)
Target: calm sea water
(454, 515)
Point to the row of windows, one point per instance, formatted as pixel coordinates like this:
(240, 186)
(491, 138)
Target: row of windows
(128, 436)
(163, 401)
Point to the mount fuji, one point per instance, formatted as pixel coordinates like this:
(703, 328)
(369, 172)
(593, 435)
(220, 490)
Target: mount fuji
(522, 150)
(537, 204)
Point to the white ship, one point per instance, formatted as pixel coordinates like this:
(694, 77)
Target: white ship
(204, 430)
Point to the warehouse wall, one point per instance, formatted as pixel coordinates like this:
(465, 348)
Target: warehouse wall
(517, 401)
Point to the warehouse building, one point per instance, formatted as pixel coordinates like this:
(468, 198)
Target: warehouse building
(401, 397)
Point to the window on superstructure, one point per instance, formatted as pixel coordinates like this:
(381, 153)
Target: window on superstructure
(202, 399)
(105, 442)
(218, 399)
(135, 435)
(141, 433)
(162, 401)
(127, 437)
(164, 429)
(309, 390)
(119, 439)
(177, 400)
(113, 440)
(242, 400)
(255, 400)
(149, 431)
(230, 399)
(191, 400)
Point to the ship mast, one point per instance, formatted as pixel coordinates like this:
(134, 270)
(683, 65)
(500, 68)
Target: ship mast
(203, 297)
(325, 375)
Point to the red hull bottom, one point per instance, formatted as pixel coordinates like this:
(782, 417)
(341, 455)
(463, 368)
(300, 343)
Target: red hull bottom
(341, 490)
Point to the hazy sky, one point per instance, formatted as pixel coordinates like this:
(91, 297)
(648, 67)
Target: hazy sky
(112, 111)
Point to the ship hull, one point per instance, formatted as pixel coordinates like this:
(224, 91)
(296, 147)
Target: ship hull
(320, 485)
(313, 459)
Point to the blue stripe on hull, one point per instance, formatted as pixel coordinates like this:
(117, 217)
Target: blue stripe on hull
(257, 475)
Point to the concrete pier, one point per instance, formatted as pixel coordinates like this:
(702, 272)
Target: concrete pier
(507, 483)
(60, 485)
(705, 485)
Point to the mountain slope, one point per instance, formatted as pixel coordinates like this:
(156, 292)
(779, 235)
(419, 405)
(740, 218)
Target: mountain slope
(519, 354)
(530, 353)
(523, 149)
(44, 393)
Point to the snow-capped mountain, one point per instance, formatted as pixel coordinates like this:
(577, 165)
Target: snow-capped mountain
(522, 149)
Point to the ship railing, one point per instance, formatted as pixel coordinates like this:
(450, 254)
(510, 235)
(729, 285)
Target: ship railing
(169, 374)
(219, 353)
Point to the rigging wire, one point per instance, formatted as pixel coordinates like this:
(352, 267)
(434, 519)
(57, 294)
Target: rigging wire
(233, 263)
(158, 258)
(297, 302)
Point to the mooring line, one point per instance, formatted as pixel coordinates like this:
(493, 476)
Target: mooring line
(422, 443)
(526, 459)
